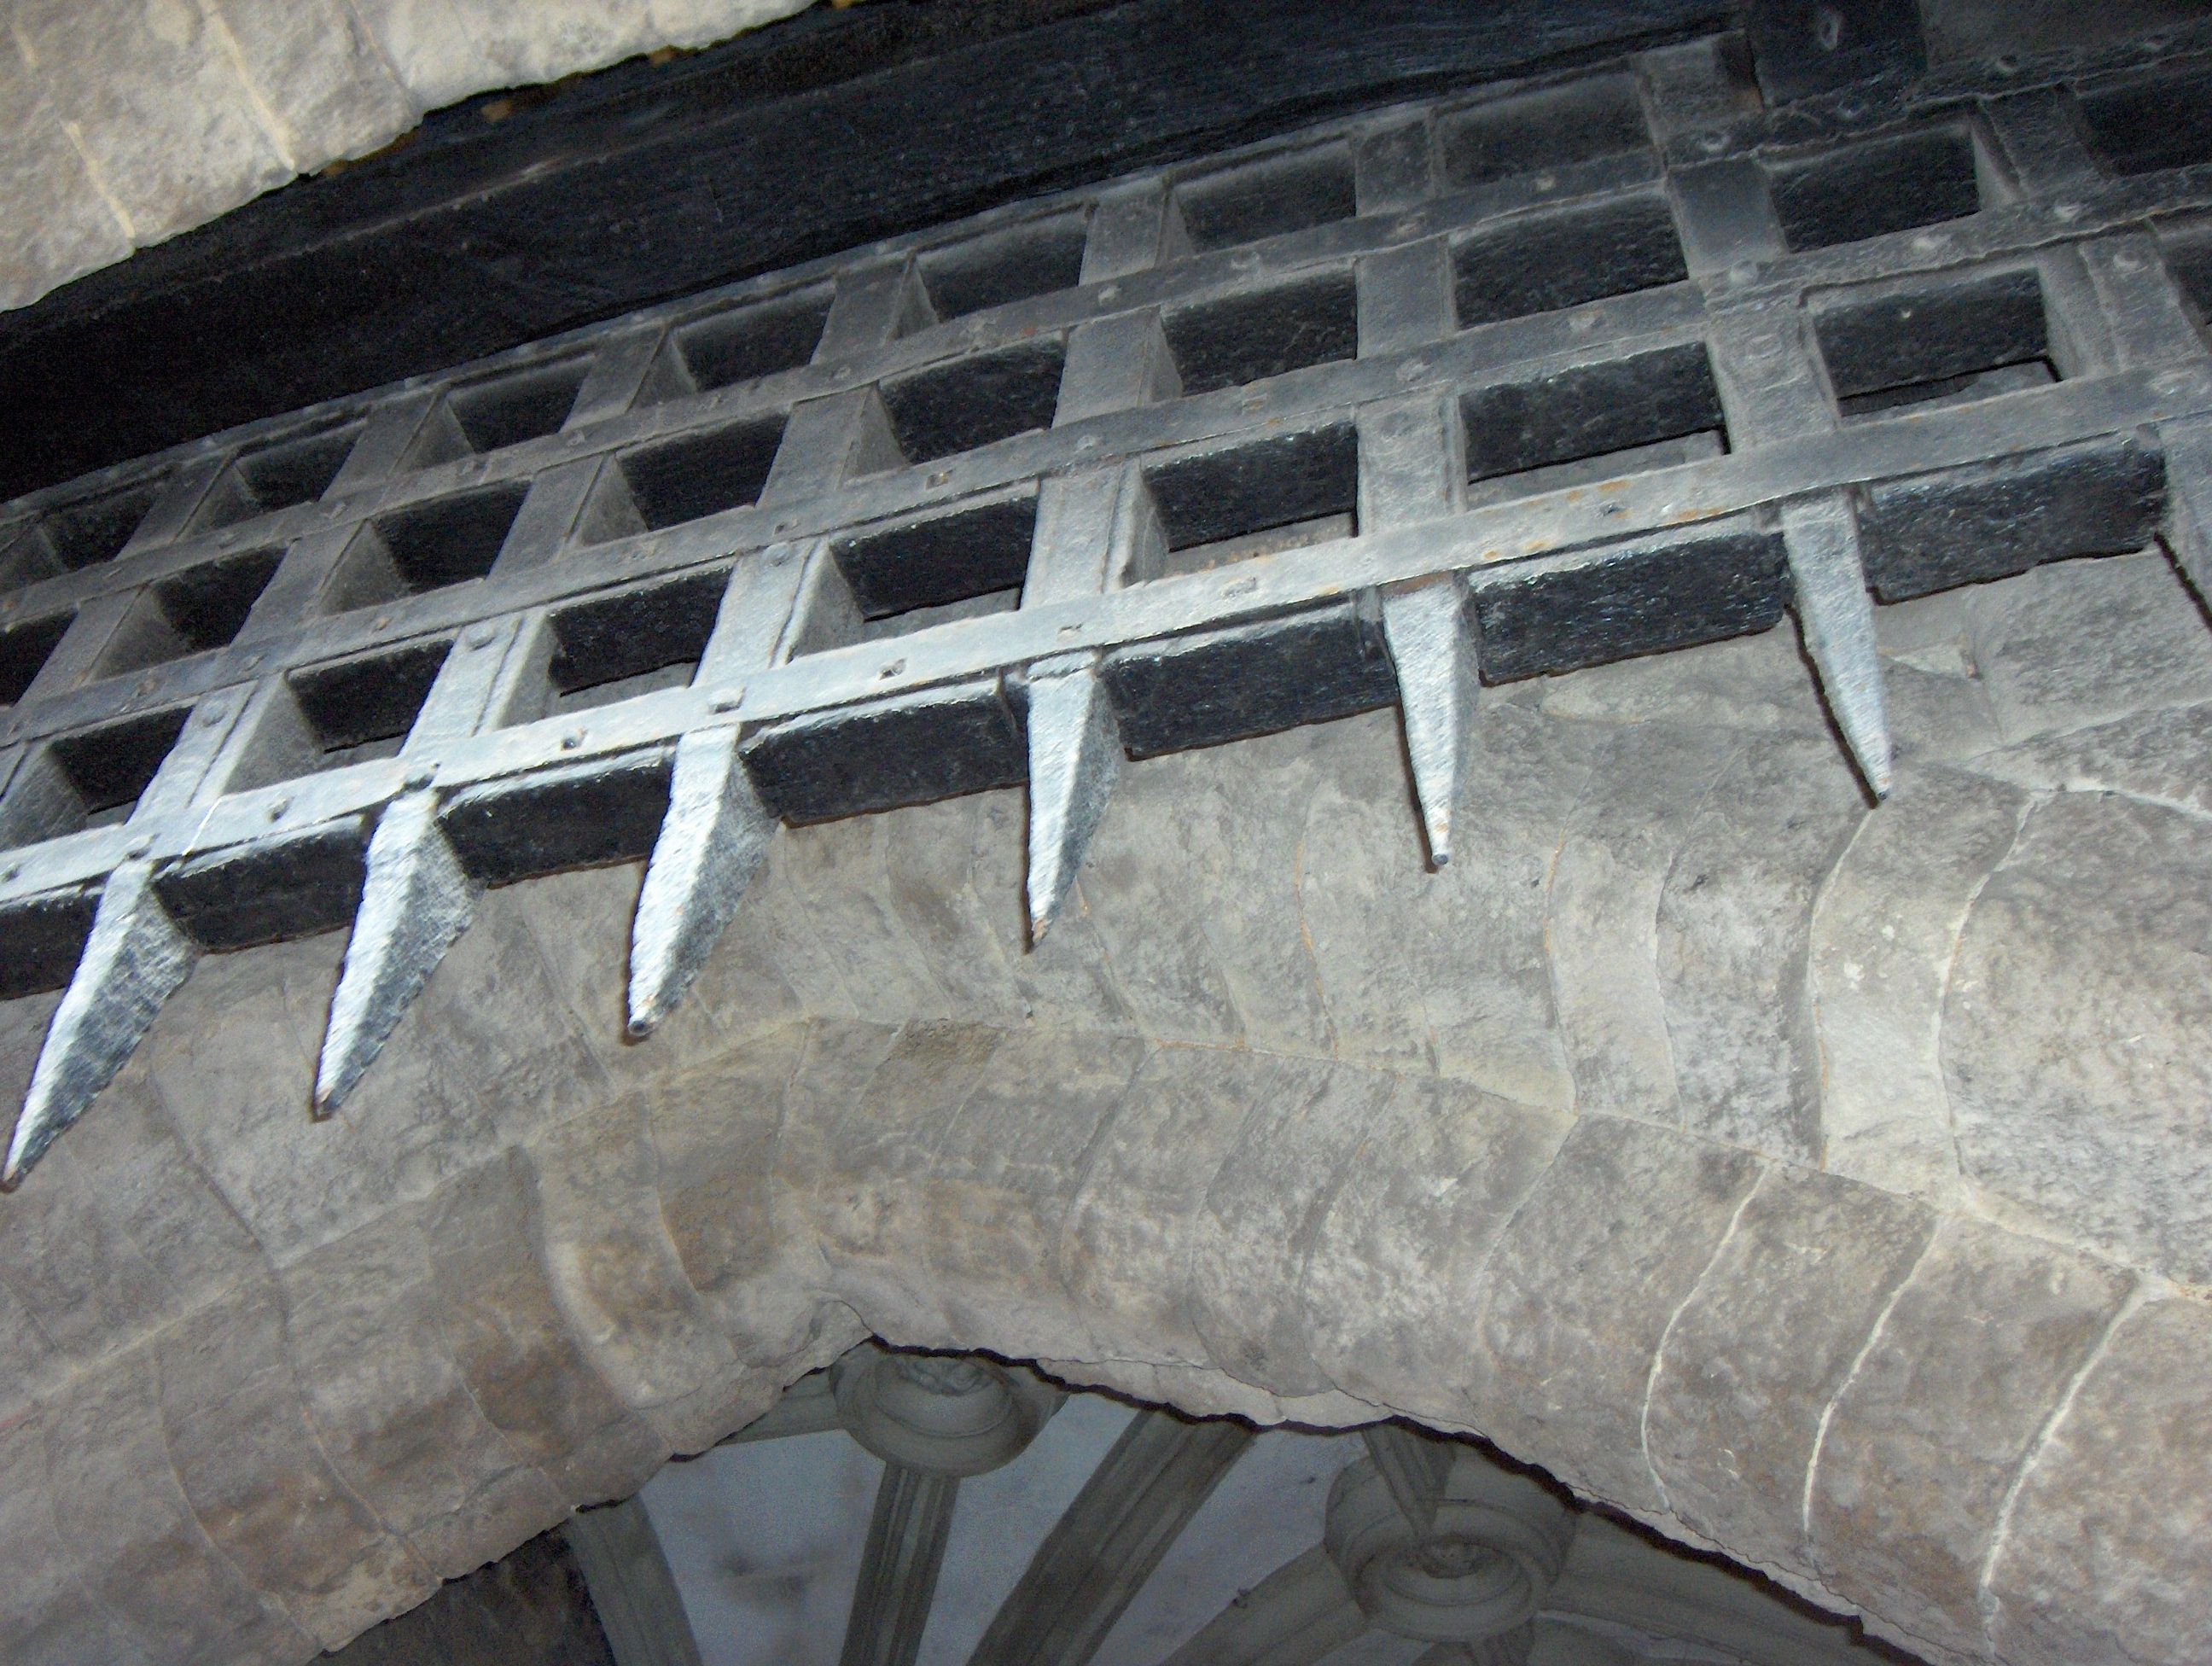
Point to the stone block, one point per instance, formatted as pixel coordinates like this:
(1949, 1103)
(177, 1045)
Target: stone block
(2079, 643)
(2164, 757)
(1884, 936)
(579, 924)
(1734, 919)
(29, 1365)
(1255, 1234)
(858, 1182)
(833, 877)
(1752, 683)
(715, 1129)
(1759, 1353)
(157, 106)
(2109, 1553)
(249, 1464)
(956, 880)
(1601, 916)
(619, 1282)
(58, 225)
(316, 78)
(1943, 1408)
(68, 1261)
(1445, 970)
(1399, 1255)
(506, 1335)
(46, 1616)
(1937, 719)
(170, 1594)
(1168, 843)
(1572, 1309)
(2073, 1032)
(1125, 1255)
(930, 857)
(391, 1408)
(999, 1182)
(765, 972)
(131, 1154)
(492, 1039)
(1245, 861)
(232, 1058)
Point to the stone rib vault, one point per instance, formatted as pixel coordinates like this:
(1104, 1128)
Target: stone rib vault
(1821, 1183)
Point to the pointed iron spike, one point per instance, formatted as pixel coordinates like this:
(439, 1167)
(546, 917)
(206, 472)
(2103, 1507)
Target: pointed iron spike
(1075, 758)
(712, 841)
(1837, 616)
(1434, 653)
(416, 902)
(133, 961)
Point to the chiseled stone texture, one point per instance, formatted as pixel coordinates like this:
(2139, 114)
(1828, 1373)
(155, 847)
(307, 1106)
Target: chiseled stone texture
(1821, 1183)
(127, 121)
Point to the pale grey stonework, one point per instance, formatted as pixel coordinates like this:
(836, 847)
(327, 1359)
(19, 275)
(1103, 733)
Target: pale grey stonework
(1821, 1183)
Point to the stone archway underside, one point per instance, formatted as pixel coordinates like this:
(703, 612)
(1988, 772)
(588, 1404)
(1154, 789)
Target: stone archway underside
(1823, 1186)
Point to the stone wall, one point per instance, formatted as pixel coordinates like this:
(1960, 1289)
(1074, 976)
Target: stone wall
(127, 121)
(1824, 1184)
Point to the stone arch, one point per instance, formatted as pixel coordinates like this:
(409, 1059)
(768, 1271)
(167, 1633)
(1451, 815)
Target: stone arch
(1679, 1146)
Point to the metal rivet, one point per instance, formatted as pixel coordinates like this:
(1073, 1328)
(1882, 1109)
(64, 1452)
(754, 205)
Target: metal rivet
(276, 809)
(570, 742)
(1112, 292)
(1086, 442)
(728, 699)
(381, 621)
(14, 871)
(893, 669)
(482, 636)
(253, 661)
(939, 478)
(784, 526)
(138, 847)
(421, 776)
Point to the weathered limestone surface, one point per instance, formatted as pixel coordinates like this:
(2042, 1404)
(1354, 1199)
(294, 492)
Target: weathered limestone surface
(127, 121)
(1821, 1183)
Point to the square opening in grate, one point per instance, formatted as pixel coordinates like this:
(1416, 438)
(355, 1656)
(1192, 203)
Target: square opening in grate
(353, 710)
(2162, 123)
(80, 534)
(201, 608)
(1530, 132)
(93, 779)
(1256, 498)
(523, 405)
(894, 579)
(1245, 338)
(1594, 422)
(693, 475)
(2189, 258)
(631, 642)
(1939, 344)
(1539, 262)
(425, 546)
(739, 345)
(1269, 198)
(269, 478)
(975, 400)
(1880, 185)
(24, 650)
(978, 549)
(1003, 266)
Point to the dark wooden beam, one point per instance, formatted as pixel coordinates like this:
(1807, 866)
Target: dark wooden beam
(652, 181)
